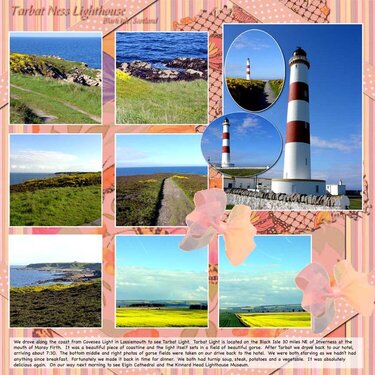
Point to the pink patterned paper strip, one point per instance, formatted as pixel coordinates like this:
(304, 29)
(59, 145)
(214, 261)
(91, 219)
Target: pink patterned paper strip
(3, 89)
(369, 80)
(97, 23)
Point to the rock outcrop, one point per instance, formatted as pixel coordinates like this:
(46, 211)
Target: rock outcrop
(186, 69)
(55, 67)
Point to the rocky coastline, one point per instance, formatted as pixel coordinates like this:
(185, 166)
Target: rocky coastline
(182, 69)
(67, 275)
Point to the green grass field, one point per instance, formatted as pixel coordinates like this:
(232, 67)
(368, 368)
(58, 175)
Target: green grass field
(355, 203)
(144, 317)
(144, 102)
(265, 320)
(73, 305)
(61, 201)
(229, 319)
(38, 99)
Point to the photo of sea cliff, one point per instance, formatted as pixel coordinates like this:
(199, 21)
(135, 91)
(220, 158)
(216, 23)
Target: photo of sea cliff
(55, 180)
(157, 176)
(161, 77)
(55, 281)
(55, 78)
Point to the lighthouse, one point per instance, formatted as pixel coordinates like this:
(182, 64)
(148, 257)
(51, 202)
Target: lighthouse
(225, 152)
(297, 143)
(297, 160)
(248, 69)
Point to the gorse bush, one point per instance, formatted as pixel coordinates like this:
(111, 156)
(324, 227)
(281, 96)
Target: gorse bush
(248, 94)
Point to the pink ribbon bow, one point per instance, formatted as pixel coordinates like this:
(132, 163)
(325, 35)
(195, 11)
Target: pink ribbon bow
(319, 296)
(206, 221)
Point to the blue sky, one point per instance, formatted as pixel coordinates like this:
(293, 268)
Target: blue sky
(266, 277)
(335, 83)
(159, 150)
(45, 34)
(55, 153)
(266, 59)
(28, 249)
(154, 267)
(254, 141)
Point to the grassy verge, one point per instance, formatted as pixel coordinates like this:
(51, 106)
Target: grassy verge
(355, 203)
(248, 94)
(276, 86)
(22, 114)
(190, 184)
(70, 200)
(74, 305)
(241, 172)
(47, 96)
(143, 317)
(138, 199)
(143, 102)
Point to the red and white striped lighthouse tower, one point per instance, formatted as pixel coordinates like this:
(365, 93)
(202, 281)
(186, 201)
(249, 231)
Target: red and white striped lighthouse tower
(297, 163)
(297, 144)
(248, 69)
(225, 153)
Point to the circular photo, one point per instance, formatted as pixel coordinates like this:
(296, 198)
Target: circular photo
(254, 70)
(241, 144)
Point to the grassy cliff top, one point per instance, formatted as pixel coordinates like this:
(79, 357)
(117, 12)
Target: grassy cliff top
(60, 180)
(66, 265)
(42, 65)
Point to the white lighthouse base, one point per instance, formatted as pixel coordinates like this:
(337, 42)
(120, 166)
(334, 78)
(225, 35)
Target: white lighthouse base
(291, 186)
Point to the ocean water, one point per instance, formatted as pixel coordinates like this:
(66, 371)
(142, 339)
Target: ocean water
(22, 277)
(158, 47)
(79, 49)
(153, 170)
(17, 178)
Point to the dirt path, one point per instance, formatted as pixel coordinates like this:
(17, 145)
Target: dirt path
(175, 205)
(269, 95)
(50, 118)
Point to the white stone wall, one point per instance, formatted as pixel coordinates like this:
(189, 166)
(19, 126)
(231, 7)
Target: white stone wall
(274, 205)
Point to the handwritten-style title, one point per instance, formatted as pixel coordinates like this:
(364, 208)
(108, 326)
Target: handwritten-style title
(83, 12)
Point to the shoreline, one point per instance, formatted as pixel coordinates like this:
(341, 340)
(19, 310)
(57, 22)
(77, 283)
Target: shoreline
(178, 69)
(61, 275)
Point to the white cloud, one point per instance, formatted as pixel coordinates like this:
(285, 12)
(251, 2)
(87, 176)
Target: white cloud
(248, 41)
(134, 283)
(249, 123)
(353, 142)
(29, 160)
(244, 289)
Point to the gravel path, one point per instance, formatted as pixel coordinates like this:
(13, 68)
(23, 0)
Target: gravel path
(175, 205)
(269, 95)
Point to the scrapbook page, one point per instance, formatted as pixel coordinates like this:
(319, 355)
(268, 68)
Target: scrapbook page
(187, 187)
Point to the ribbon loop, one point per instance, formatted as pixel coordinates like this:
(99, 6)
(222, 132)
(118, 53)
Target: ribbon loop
(319, 296)
(207, 220)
